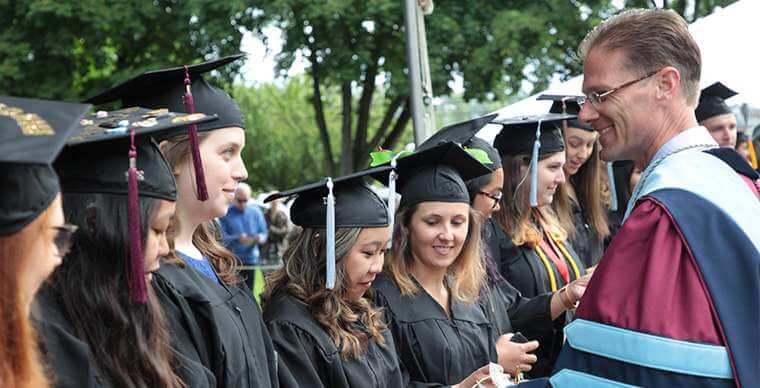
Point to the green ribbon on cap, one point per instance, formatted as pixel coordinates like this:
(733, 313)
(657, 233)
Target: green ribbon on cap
(383, 157)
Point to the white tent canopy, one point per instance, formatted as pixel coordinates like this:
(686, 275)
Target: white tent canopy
(729, 54)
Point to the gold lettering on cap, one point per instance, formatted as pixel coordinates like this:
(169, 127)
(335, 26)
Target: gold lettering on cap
(31, 124)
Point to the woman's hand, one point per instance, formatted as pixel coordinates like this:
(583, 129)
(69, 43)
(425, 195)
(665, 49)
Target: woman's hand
(515, 357)
(577, 287)
(473, 379)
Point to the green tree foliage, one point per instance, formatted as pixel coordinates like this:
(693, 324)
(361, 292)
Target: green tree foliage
(73, 49)
(354, 95)
(353, 44)
(690, 10)
(282, 149)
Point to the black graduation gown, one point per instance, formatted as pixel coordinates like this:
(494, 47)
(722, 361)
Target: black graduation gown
(433, 347)
(587, 245)
(525, 270)
(509, 312)
(311, 358)
(217, 325)
(66, 357)
(69, 360)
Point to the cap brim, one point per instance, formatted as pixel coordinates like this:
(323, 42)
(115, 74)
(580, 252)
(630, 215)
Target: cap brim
(322, 184)
(154, 79)
(459, 133)
(450, 154)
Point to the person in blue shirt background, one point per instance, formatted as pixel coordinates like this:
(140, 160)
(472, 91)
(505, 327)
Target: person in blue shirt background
(244, 229)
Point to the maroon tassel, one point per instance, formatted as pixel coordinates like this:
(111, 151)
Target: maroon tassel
(200, 176)
(138, 292)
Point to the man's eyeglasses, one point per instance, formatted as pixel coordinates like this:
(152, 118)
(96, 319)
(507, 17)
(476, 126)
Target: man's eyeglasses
(597, 98)
(495, 198)
(62, 238)
(242, 201)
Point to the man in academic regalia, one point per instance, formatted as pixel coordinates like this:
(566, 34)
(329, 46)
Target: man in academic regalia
(675, 300)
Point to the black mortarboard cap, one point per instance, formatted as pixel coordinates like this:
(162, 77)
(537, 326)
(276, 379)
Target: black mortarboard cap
(567, 104)
(32, 133)
(712, 101)
(459, 133)
(115, 153)
(436, 174)
(464, 134)
(518, 134)
(342, 202)
(356, 205)
(182, 89)
(534, 135)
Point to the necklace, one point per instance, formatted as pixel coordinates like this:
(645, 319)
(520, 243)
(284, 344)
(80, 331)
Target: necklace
(652, 166)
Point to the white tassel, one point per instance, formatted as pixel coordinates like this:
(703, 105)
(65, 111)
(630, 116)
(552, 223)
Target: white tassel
(330, 231)
(534, 168)
(392, 199)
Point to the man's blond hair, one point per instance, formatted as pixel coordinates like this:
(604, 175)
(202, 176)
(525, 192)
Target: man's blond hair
(650, 40)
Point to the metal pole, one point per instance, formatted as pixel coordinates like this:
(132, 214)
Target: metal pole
(415, 79)
(427, 82)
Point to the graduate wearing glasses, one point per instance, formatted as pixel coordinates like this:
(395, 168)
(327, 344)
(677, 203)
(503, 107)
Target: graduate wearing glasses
(34, 236)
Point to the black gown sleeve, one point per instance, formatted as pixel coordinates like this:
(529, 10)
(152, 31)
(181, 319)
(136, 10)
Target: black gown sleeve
(66, 358)
(299, 357)
(187, 341)
(526, 312)
(380, 301)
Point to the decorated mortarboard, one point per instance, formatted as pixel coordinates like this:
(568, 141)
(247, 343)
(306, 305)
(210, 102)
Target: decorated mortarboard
(182, 89)
(115, 153)
(342, 202)
(32, 133)
(567, 104)
(712, 101)
(535, 135)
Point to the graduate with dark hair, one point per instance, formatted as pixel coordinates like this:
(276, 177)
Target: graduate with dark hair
(100, 323)
(319, 305)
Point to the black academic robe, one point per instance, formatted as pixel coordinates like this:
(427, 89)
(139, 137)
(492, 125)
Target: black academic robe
(587, 245)
(526, 271)
(311, 358)
(67, 359)
(433, 347)
(218, 325)
(509, 312)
